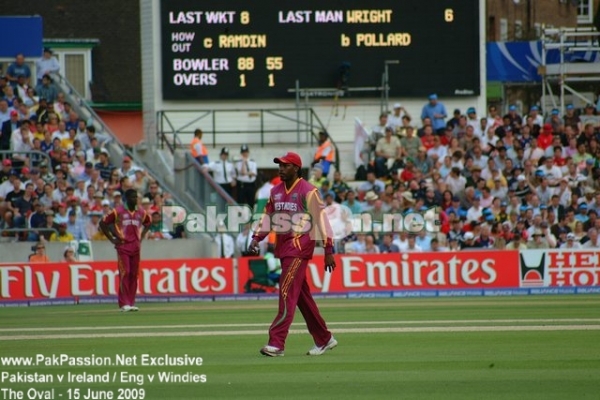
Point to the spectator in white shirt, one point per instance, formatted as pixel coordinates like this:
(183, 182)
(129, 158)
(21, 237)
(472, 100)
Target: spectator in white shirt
(563, 192)
(395, 119)
(535, 116)
(486, 197)
(551, 171)
(412, 244)
(370, 246)
(48, 64)
(455, 182)
(438, 151)
(474, 213)
(401, 241)
(80, 191)
(593, 239)
(21, 141)
(225, 243)
(61, 132)
(489, 141)
(243, 240)
(544, 192)
(479, 158)
(534, 152)
(127, 168)
(474, 122)
(357, 246)
(8, 185)
(571, 243)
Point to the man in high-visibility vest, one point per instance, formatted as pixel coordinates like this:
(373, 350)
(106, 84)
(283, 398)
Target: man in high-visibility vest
(325, 154)
(198, 149)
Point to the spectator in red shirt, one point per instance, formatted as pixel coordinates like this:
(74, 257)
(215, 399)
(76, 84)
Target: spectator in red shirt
(447, 137)
(545, 138)
(559, 160)
(409, 171)
(428, 139)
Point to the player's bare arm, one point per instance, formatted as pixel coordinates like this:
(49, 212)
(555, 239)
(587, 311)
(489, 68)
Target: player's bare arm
(145, 232)
(317, 211)
(262, 229)
(108, 230)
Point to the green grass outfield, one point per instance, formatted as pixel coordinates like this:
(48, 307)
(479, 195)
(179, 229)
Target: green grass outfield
(529, 347)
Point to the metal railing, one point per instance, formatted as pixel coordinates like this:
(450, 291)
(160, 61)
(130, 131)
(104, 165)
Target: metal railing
(202, 187)
(23, 230)
(177, 127)
(582, 40)
(9, 153)
(218, 122)
(82, 108)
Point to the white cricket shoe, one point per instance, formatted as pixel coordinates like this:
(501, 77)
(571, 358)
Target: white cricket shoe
(271, 351)
(126, 309)
(134, 308)
(317, 351)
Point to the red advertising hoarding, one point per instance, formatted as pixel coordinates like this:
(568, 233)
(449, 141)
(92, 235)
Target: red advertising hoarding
(560, 268)
(410, 271)
(535, 271)
(187, 277)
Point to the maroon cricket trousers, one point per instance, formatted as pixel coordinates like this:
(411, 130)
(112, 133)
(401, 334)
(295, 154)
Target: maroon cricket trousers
(294, 291)
(129, 265)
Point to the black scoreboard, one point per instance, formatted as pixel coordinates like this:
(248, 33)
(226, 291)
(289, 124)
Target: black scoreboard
(241, 49)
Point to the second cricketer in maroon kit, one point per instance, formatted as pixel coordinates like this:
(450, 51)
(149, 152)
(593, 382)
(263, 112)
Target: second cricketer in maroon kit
(125, 226)
(298, 201)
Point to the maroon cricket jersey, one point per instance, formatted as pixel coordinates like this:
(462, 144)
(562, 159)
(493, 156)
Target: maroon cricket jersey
(297, 217)
(128, 226)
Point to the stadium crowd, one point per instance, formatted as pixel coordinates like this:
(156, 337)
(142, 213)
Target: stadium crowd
(57, 179)
(497, 181)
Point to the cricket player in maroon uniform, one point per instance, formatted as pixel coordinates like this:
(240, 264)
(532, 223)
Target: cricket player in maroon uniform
(296, 200)
(125, 226)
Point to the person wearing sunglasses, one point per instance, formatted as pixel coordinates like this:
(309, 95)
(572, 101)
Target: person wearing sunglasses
(40, 254)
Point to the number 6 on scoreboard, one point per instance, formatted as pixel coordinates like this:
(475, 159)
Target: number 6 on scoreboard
(274, 63)
(449, 15)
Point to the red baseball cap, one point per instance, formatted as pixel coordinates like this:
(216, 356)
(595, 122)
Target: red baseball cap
(14, 113)
(24, 170)
(547, 128)
(289, 158)
(126, 158)
(7, 163)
